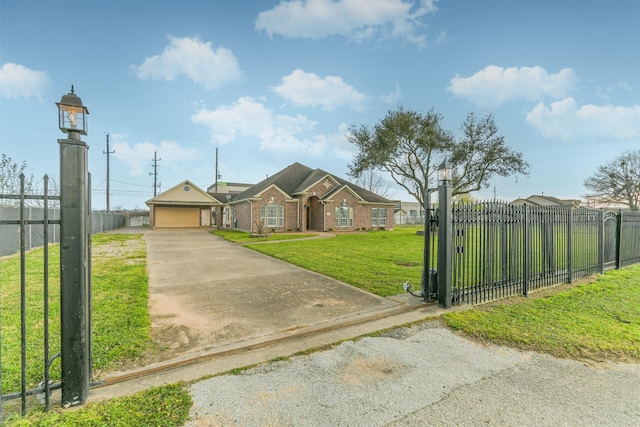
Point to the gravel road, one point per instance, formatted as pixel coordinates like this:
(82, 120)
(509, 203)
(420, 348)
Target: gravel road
(422, 376)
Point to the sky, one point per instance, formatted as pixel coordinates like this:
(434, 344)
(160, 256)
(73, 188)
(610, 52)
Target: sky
(270, 83)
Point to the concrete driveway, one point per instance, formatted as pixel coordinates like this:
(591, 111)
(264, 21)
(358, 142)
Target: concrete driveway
(206, 292)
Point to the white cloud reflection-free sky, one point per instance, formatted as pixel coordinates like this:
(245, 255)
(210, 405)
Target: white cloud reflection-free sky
(271, 83)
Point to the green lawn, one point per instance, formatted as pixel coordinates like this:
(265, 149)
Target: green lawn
(243, 237)
(379, 262)
(121, 325)
(166, 406)
(597, 321)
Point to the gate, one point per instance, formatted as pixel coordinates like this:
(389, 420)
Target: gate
(490, 250)
(429, 281)
(46, 386)
(610, 243)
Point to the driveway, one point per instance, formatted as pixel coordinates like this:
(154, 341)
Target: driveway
(206, 292)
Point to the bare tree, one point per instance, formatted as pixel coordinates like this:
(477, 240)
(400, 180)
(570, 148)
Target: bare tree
(374, 182)
(10, 184)
(10, 179)
(617, 181)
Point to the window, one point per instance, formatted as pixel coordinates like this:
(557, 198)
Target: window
(272, 215)
(344, 216)
(379, 217)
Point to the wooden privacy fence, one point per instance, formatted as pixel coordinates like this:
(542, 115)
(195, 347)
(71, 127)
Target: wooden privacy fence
(499, 249)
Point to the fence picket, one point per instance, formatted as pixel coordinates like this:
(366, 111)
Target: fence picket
(19, 221)
(502, 249)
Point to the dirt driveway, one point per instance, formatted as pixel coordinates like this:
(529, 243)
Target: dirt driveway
(206, 292)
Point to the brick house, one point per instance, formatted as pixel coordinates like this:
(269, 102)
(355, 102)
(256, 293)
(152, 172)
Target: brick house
(299, 198)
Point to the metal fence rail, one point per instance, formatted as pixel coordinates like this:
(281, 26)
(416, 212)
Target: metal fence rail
(22, 222)
(22, 228)
(501, 249)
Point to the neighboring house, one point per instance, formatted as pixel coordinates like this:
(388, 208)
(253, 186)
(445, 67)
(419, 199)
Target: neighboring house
(182, 206)
(542, 200)
(408, 213)
(299, 198)
(221, 187)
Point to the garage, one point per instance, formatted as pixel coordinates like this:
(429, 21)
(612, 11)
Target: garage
(168, 217)
(182, 206)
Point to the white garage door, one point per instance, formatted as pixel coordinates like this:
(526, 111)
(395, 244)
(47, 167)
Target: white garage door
(177, 217)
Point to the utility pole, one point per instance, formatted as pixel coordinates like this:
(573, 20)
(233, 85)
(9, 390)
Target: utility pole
(155, 173)
(216, 170)
(107, 153)
(494, 194)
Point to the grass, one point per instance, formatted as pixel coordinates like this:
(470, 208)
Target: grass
(379, 262)
(121, 324)
(591, 321)
(166, 406)
(243, 237)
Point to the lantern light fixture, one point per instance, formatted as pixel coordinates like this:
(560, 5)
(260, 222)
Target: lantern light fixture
(72, 115)
(445, 172)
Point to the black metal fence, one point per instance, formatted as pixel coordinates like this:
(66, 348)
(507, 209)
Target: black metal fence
(22, 228)
(501, 249)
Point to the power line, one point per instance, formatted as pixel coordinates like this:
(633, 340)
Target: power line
(129, 183)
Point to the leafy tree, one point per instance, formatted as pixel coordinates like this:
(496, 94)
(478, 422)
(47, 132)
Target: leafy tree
(481, 154)
(10, 178)
(410, 146)
(617, 181)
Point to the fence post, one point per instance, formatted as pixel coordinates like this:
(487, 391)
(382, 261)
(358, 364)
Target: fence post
(445, 245)
(426, 255)
(570, 245)
(526, 252)
(74, 281)
(618, 238)
(601, 242)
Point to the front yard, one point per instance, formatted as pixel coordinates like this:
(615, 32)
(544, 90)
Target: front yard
(598, 320)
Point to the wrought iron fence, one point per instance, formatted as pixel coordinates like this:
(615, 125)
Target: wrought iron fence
(501, 249)
(22, 228)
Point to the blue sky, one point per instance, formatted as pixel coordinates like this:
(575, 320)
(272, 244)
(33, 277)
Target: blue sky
(272, 83)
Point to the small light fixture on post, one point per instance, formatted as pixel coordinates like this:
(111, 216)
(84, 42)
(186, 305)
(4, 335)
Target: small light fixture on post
(75, 252)
(72, 115)
(445, 172)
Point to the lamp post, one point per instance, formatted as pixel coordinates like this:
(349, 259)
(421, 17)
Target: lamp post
(445, 235)
(75, 296)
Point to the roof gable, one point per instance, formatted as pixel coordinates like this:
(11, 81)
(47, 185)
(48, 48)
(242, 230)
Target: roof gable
(186, 193)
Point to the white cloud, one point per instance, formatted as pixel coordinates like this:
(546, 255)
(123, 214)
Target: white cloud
(567, 121)
(605, 92)
(308, 89)
(358, 19)
(394, 96)
(493, 86)
(249, 118)
(195, 59)
(138, 156)
(17, 81)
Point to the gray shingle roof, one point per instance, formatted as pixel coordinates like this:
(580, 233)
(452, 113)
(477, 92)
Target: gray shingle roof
(297, 177)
